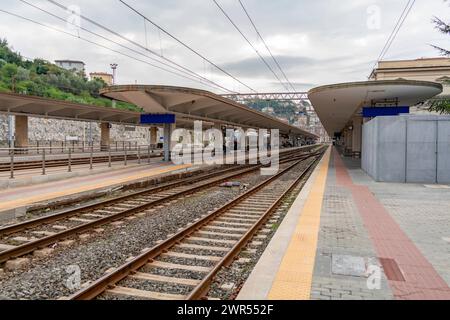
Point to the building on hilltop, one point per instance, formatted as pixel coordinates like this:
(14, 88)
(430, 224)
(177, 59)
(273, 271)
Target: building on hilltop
(71, 65)
(106, 77)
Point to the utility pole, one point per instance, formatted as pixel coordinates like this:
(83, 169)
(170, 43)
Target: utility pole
(114, 68)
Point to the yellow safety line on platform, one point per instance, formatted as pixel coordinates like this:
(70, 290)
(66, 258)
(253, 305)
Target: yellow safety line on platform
(294, 277)
(52, 195)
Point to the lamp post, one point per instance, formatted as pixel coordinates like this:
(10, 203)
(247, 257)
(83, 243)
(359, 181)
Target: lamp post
(114, 68)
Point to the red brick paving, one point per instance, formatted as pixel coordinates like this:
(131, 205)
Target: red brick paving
(422, 282)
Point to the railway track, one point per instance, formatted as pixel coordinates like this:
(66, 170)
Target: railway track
(190, 259)
(25, 237)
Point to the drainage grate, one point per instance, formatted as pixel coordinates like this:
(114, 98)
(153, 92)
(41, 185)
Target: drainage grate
(391, 270)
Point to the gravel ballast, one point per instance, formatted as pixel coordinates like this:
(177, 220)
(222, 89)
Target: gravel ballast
(48, 278)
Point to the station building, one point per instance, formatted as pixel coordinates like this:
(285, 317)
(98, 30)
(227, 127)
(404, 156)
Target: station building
(424, 69)
(371, 120)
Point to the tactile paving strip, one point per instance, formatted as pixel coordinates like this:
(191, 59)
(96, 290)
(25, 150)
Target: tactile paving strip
(294, 276)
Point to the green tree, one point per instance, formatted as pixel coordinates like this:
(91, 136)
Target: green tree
(41, 67)
(441, 105)
(444, 28)
(9, 70)
(42, 78)
(283, 109)
(8, 55)
(22, 74)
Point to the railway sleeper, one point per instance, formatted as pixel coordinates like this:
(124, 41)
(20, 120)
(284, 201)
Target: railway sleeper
(167, 265)
(131, 292)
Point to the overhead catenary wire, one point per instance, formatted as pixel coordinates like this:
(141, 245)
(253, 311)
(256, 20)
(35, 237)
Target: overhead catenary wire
(138, 45)
(97, 44)
(145, 31)
(250, 44)
(395, 31)
(197, 77)
(115, 42)
(184, 45)
(265, 44)
(398, 29)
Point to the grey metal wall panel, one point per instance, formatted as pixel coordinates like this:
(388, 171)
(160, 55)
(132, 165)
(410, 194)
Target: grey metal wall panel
(366, 150)
(421, 154)
(391, 149)
(443, 175)
(369, 146)
(407, 148)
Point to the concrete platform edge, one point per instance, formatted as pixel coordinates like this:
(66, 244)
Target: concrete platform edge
(52, 177)
(259, 283)
(17, 212)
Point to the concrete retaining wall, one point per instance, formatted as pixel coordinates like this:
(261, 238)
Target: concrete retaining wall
(408, 148)
(41, 129)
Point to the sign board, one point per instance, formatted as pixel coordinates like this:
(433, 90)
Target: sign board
(371, 112)
(71, 138)
(157, 118)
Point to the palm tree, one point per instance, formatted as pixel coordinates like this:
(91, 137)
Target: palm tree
(445, 29)
(441, 105)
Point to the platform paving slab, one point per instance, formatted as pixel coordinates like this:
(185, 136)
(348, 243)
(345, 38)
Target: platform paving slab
(344, 250)
(259, 283)
(405, 227)
(375, 241)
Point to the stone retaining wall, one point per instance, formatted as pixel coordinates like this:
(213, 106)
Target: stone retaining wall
(40, 129)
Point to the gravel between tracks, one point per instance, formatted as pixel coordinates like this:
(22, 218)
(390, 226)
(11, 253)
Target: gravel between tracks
(47, 278)
(236, 274)
(229, 281)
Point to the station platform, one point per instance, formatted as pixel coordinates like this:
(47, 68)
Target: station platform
(347, 237)
(5, 158)
(26, 177)
(15, 201)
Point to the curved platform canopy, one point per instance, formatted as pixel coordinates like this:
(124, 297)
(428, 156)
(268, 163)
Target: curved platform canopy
(193, 104)
(337, 104)
(20, 104)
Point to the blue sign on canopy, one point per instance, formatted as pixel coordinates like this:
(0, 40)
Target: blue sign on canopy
(371, 112)
(157, 118)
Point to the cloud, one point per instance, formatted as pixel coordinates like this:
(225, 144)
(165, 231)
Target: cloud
(316, 42)
(251, 67)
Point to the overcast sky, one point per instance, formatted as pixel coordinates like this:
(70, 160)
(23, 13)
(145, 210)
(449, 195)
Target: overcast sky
(316, 42)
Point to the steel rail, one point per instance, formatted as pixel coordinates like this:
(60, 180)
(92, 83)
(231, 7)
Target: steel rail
(203, 287)
(74, 211)
(51, 239)
(120, 273)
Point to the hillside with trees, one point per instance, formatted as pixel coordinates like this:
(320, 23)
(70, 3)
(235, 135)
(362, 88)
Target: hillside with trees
(44, 79)
(282, 109)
